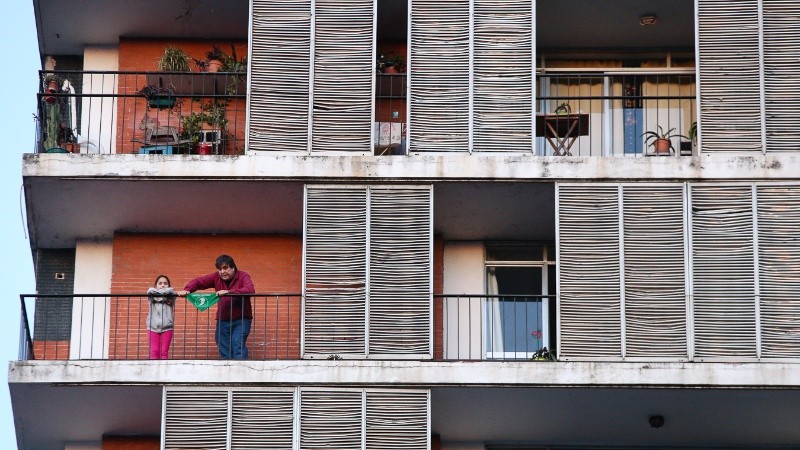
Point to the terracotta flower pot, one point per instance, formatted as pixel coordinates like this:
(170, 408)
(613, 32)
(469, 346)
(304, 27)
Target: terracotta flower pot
(52, 88)
(662, 146)
(214, 65)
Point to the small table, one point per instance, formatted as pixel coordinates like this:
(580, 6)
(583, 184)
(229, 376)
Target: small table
(562, 130)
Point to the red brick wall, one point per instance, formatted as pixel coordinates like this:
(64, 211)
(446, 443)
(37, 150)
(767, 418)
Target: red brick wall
(50, 349)
(274, 263)
(142, 55)
(131, 442)
(438, 306)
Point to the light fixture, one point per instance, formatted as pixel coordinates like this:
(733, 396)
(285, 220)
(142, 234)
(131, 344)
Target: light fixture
(648, 19)
(656, 421)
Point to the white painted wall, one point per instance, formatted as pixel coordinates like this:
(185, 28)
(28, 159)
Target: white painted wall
(464, 273)
(98, 125)
(90, 315)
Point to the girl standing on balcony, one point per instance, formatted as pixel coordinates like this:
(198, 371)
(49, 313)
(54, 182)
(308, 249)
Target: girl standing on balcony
(160, 317)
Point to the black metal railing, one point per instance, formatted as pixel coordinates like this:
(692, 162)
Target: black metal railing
(115, 327)
(141, 112)
(493, 327)
(612, 114)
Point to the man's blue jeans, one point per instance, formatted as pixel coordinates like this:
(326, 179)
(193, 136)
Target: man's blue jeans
(231, 338)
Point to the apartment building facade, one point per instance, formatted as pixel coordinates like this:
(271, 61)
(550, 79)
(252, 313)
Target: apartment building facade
(461, 231)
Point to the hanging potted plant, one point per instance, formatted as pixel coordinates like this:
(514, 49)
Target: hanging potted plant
(661, 140)
(158, 97)
(51, 81)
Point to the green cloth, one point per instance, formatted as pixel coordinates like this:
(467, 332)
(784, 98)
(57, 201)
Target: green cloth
(202, 301)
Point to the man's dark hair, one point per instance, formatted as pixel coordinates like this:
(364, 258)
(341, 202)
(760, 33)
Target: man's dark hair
(226, 260)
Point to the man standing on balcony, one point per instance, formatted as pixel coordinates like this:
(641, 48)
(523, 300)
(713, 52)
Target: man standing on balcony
(234, 313)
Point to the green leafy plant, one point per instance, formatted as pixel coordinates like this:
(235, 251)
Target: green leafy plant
(661, 140)
(693, 132)
(386, 61)
(211, 113)
(174, 59)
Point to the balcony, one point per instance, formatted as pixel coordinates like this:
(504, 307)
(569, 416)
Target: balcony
(587, 113)
(113, 327)
(610, 113)
(141, 112)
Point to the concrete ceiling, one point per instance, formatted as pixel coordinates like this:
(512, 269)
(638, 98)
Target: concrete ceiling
(64, 27)
(59, 211)
(48, 416)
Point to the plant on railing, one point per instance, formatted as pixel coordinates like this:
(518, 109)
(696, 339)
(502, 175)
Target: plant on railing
(158, 97)
(661, 140)
(390, 64)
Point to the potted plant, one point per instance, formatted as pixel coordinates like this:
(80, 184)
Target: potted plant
(661, 140)
(51, 81)
(215, 58)
(174, 59)
(390, 64)
(158, 97)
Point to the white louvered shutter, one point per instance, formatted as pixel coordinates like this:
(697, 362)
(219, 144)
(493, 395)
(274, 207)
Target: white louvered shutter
(335, 262)
(779, 270)
(655, 283)
(781, 74)
(589, 271)
(331, 419)
(400, 271)
(723, 271)
(196, 419)
(502, 71)
(279, 75)
(730, 99)
(343, 70)
(262, 420)
(439, 76)
(397, 420)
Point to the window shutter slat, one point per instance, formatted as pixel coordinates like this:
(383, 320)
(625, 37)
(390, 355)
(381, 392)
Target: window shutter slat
(279, 78)
(439, 76)
(655, 293)
(400, 284)
(502, 66)
(335, 270)
(781, 66)
(343, 70)
(779, 270)
(589, 295)
(262, 419)
(196, 419)
(397, 420)
(723, 271)
(330, 419)
(730, 100)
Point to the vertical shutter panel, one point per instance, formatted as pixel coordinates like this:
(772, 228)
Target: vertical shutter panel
(779, 270)
(781, 68)
(343, 68)
(279, 78)
(262, 419)
(400, 265)
(729, 98)
(589, 271)
(330, 419)
(397, 420)
(335, 270)
(503, 58)
(723, 271)
(439, 76)
(196, 419)
(655, 293)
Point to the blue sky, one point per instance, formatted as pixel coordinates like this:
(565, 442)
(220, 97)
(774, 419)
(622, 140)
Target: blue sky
(18, 83)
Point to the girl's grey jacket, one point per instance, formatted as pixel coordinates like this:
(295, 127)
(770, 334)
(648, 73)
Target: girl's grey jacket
(160, 317)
